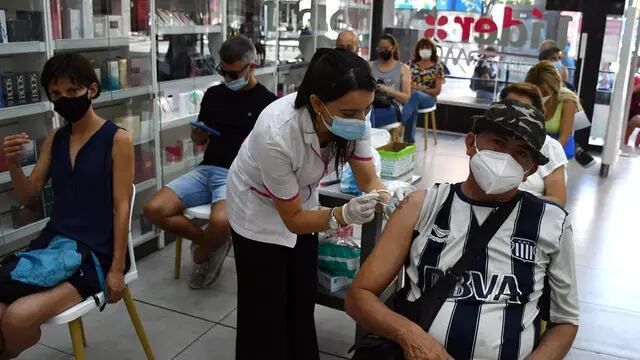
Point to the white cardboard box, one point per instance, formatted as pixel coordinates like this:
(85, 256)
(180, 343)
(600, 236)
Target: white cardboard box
(87, 19)
(114, 26)
(71, 24)
(333, 283)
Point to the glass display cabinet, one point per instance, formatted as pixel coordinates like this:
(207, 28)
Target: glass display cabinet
(23, 108)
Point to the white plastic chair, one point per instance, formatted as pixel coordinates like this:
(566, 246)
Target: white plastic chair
(202, 212)
(73, 315)
(429, 112)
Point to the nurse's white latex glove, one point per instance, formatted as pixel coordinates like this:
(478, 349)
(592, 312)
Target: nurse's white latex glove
(398, 197)
(360, 210)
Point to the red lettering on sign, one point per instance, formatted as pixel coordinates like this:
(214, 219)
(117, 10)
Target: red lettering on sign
(485, 25)
(508, 19)
(465, 23)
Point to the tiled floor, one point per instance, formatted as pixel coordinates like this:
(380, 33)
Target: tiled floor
(193, 325)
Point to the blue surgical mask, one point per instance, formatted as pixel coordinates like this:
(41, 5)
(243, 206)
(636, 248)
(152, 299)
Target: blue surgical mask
(558, 65)
(237, 84)
(349, 129)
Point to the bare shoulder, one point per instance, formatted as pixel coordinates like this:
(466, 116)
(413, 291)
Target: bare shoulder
(412, 204)
(122, 138)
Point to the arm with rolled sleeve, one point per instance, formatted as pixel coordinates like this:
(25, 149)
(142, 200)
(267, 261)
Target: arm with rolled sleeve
(564, 310)
(364, 170)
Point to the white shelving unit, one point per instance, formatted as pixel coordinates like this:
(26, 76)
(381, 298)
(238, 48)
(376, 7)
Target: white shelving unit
(202, 82)
(22, 48)
(178, 121)
(99, 43)
(5, 177)
(121, 94)
(189, 29)
(146, 185)
(10, 234)
(25, 110)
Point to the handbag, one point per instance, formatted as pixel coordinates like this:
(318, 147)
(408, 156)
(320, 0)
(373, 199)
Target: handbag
(424, 310)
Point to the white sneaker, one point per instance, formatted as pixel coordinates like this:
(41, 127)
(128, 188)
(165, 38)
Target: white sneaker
(199, 272)
(216, 260)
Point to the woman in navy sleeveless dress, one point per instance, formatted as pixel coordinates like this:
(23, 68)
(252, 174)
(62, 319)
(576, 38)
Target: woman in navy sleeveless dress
(90, 163)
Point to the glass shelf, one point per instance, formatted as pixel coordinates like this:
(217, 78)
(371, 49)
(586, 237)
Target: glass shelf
(22, 47)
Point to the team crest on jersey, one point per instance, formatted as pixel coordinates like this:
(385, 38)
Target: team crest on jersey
(439, 235)
(523, 249)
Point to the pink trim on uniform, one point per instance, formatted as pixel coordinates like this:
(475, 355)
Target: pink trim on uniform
(279, 198)
(359, 158)
(326, 166)
(260, 193)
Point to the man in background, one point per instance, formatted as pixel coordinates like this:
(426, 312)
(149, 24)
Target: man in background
(348, 40)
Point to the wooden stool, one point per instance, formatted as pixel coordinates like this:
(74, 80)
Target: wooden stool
(396, 130)
(429, 112)
(202, 212)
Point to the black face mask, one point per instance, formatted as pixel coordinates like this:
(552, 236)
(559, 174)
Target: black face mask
(385, 55)
(72, 109)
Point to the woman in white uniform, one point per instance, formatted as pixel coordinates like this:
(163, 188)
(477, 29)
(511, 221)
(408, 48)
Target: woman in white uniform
(272, 201)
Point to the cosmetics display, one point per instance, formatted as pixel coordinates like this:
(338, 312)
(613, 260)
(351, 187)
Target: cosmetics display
(19, 88)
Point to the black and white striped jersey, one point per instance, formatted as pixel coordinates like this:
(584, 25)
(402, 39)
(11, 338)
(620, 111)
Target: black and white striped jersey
(493, 312)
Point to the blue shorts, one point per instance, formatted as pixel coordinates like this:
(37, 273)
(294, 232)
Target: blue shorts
(203, 185)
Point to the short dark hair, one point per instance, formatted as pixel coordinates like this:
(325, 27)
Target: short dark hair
(421, 44)
(237, 48)
(548, 53)
(71, 65)
(332, 73)
(524, 89)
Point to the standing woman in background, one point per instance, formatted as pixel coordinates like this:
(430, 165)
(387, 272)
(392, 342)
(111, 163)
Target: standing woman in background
(560, 104)
(427, 77)
(272, 201)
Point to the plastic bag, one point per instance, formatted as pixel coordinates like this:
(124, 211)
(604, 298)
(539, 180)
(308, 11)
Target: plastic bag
(339, 253)
(348, 182)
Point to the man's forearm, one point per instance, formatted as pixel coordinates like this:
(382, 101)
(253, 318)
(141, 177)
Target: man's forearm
(555, 342)
(368, 311)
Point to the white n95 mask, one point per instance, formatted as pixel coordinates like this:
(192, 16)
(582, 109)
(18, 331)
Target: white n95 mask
(496, 172)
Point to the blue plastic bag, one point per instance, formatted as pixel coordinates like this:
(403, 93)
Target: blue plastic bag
(348, 182)
(50, 266)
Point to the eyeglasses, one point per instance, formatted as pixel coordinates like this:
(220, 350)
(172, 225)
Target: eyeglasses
(233, 75)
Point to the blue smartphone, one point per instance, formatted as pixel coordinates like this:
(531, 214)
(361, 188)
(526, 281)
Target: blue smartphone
(205, 128)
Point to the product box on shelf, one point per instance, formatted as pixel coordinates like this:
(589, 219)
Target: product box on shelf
(144, 164)
(9, 89)
(56, 19)
(33, 19)
(114, 26)
(17, 30)
(111, 76)
(3, 103)
(100, 28)
(33, 86)
(87, 19)
(3, 27)
(135, 71)
(173, 153)
(71, 23)
(123, 73)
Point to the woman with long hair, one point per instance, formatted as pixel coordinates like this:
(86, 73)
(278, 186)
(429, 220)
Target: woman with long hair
(560, 104)
(273, 208)
(427, 77)
(393, 82)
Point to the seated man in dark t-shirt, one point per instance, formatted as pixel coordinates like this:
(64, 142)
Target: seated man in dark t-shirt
(231, 109)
